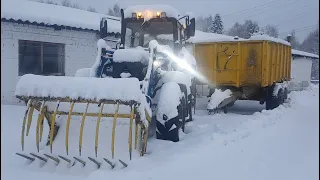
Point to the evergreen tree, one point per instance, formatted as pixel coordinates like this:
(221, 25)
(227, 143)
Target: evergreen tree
(217, 24)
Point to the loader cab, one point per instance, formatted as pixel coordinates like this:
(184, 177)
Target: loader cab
(140, 28)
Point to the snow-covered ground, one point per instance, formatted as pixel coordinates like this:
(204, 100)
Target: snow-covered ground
(248, 143)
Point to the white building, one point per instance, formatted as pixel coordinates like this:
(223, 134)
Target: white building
(46, 39)
(301, 69)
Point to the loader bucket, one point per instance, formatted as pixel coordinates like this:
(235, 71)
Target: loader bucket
(96, 98)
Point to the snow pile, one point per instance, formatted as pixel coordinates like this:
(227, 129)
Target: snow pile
(265, 37)
(131, 55)
(169, 99)
(302, 53)
(149, 11)
(175, 76)
(83, 72)
(203, 37)
(55, 15)
(79, 87)
(217, 97)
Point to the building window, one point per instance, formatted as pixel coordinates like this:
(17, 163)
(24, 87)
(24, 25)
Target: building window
(41, 58)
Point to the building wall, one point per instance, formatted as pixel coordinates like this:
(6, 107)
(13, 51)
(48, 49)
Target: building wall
(300, 73)
(80, 51)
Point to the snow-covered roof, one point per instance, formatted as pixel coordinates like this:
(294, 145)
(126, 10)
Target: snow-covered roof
(269, 38)
(54, 15)
(204, 37)
(305, 54)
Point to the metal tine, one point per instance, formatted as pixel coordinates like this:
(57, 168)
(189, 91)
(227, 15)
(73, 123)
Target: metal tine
(25, 156)
(24, 123)
(110, 163)
(97, 130)
(41, 122)
(67, 160)
(136, 135)
(130, 132)
(95, 161)
(53, 158)
(81, 128)
(52, 125)
(38, 124)
(114, 130)
(30, 118)
(39, 157)
(80, 161)
(67, 127)
(123, 163)
(145, 141)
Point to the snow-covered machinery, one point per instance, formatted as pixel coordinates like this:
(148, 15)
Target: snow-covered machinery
(147, 83)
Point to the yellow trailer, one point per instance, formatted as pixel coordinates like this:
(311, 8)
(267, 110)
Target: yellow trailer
(251, 69)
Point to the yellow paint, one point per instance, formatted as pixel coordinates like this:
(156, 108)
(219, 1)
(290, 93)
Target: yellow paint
(82, 127)
(243, 63)
(24, 123)
(97, 130)
(114, 130)
(52, 125)
(68, 125)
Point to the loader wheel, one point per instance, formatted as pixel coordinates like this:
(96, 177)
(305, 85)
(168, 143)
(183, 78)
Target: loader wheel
(170, 130)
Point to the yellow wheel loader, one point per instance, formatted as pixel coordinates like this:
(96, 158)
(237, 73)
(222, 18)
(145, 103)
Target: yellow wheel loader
(141, 89)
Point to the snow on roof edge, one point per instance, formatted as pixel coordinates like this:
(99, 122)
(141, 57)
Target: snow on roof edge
(42, 13)
(302, 53)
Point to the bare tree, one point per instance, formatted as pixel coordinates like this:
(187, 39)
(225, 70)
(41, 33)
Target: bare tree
(115, 11)
(245, 30)
(91, 9)
(76, 6)
(66, 3)
(51, 2)
(271, 30)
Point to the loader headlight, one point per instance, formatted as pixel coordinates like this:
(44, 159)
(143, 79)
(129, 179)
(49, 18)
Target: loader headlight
(134, 15)
(158, 14)
(163, 14)
(139, 14)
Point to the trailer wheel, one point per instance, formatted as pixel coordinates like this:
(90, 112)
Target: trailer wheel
(271, 100)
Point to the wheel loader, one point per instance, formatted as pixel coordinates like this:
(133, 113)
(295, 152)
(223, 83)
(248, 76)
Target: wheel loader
(140, 81)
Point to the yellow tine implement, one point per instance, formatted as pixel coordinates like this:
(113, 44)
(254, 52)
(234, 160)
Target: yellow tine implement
(52, 125)
(145, 141)
(81, 128)
(38, 124)
(24, 123)
(30, 118)
(68, 125)
(97, 130)
(41, 123)
(130, 132)
(114, 130)
(136, 136)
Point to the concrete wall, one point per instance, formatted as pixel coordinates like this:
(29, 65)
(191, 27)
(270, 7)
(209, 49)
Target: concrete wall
(80, 51)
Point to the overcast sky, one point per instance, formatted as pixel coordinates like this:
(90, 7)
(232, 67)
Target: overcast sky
(301, 15)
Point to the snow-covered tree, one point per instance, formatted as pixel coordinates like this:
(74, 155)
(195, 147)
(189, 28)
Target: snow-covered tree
(207, 24)
(271, 30)
(217, 24)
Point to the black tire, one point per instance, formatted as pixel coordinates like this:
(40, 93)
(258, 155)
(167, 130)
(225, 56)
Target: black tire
(165, 131)
(285, 93)
(271, 101)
